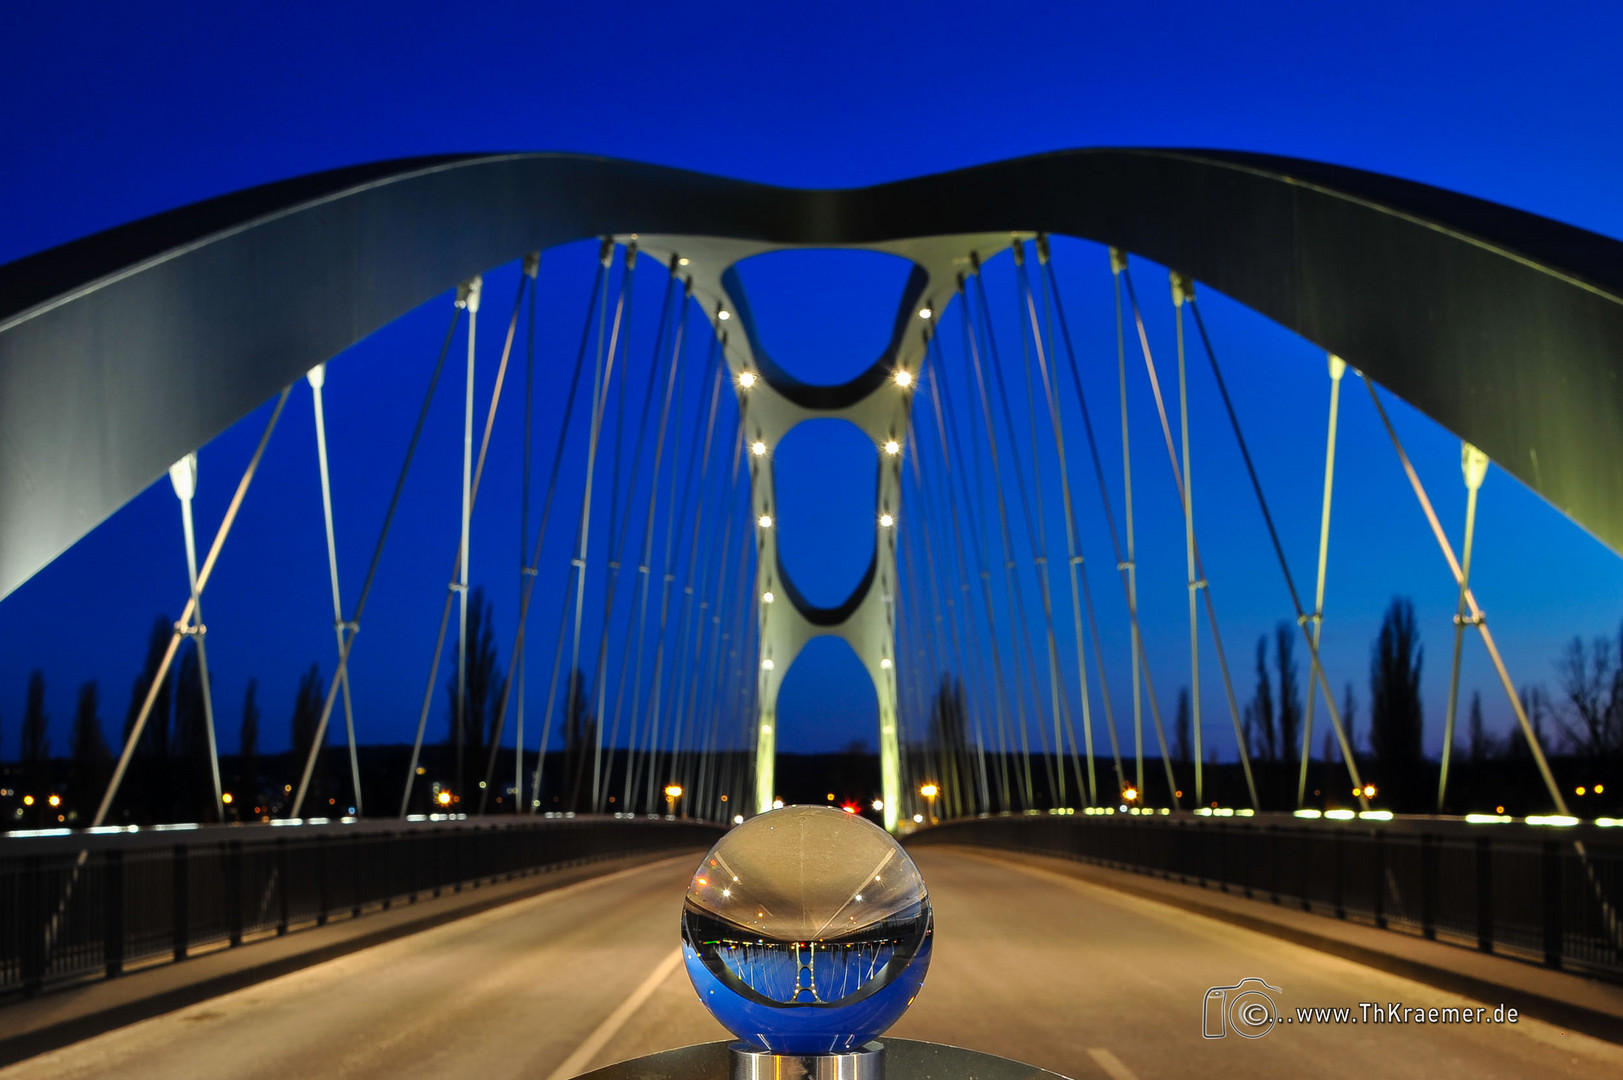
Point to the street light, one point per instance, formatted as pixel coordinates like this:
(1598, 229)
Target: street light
(930, 791)
(672, 793)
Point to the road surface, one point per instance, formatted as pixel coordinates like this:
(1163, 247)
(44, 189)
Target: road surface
(1028, 964)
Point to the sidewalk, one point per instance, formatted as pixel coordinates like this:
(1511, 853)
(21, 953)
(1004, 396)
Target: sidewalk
(31, 1026)
(1570, 1001)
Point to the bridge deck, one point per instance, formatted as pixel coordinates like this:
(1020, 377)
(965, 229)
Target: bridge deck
(1086, 981)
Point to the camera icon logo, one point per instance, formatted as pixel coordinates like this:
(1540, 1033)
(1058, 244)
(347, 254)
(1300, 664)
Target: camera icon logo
(1247, 1008)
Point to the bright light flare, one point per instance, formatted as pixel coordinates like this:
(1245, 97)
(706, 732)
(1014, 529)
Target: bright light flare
(764, 521)
(929, 791)
(746, 379)
(892, 447)
(758, 448)
(904, 378)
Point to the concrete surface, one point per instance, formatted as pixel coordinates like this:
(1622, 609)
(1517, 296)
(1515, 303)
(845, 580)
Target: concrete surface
(1030, 963)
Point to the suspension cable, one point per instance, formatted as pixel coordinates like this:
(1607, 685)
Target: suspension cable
(187, 614)
(637, 628)
(972, 358)
(964, 620)
(317, 378)
(1200, 571)
(1073, 548)
(457, 588)
(183, 478)
(1338, 368)
(946, 421)
(1476, 616)
(617, 536)
(532, 269)
(1279, 553)
(1474, 464)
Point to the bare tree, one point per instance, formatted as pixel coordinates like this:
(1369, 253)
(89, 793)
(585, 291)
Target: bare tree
(1480, 745)
(1259, 713)
(1396, 719)
(1592, 681)
(1290, 698)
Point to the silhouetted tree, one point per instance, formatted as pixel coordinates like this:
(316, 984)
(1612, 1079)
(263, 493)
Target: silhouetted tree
(248, 751)
(145, 781)
(1536, 704)
(193, 789)
(949, 731)
(1592, 682)
(1290, 697)
(36, 742)
(1396, 720)
(1259, 714)
(470, 738)
(580, 739)
(1479, 745)
(1349, 716)
(1180, 727)
(306, 718)
(90, 754)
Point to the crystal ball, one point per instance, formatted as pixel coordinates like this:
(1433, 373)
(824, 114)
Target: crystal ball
(807, 930)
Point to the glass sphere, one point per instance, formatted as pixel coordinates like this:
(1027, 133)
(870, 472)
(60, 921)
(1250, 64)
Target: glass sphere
(807, 930)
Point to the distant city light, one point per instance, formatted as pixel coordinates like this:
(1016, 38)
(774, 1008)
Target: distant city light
(55, 800)
(443, 798)
(1129, 794)
(918, 819)
(28, 800)
(226, 798)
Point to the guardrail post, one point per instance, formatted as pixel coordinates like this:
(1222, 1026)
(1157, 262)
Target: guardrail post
(1552, 903)
(1273, 863)
(388, 840)
(1338, 880)
(1428, 886)
(179, 866)
(1484, 894)
(32, 888)
(232, 865)
(112, 939)
(284, 867)
(1378, 846)
(355, 876)
(323, 896)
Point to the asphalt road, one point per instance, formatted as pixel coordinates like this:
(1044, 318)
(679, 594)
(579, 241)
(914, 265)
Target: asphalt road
(1028, 964)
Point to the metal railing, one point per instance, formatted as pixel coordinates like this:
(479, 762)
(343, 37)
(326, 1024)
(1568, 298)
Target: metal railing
(83, 906)
(1552, 896)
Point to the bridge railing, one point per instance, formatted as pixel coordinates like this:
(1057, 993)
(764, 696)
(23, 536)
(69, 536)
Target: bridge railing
(1549, 895)
(83, 906)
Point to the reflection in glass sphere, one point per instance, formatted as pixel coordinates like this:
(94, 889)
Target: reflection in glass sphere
(807, 930)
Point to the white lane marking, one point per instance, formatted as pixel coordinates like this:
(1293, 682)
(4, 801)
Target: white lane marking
(575, 1063)
(1111, 1064)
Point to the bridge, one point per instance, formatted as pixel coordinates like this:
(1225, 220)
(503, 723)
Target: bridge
(1099, 859)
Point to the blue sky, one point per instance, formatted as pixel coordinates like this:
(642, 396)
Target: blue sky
(110, 114)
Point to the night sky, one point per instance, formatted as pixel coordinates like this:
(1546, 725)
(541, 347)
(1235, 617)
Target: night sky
(111, 114)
